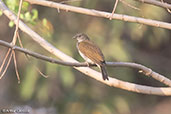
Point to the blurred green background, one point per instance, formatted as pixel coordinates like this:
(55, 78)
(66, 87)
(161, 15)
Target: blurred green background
(67, 91)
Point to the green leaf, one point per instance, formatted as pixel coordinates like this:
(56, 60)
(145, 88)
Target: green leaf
(12, 4)
(27, 16)
(11, 24)
(21, 16)
(44, 22)
(25, 6)
(35, 14)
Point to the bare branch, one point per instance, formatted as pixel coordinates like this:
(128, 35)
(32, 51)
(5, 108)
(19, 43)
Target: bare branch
(8, 62)
(3, 63)
(69, 1)
(156, 3)
(169, 10)
(16, 29)
(162, 91)
(114, 8)
(15, 64)
(19, 40)
(101, 13)
(143, 69)
(38, 70)
(129, 5)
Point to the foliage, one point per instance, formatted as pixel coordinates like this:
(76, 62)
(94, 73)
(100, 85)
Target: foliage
(27, 15)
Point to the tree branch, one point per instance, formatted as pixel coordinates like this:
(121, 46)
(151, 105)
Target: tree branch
(114, 8)
(16, 28)
(145, 70)
(163, 91)
(156, 3)
(129, 5)
(8, 62)
(97, 13)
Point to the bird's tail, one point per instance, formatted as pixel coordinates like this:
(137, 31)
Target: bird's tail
(104, 72)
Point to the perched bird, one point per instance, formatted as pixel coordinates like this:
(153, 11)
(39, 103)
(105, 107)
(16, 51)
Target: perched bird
(91, 53)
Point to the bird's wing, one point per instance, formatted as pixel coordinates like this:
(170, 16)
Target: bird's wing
(90, 50)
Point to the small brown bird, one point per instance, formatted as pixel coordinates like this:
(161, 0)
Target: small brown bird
(91, 53)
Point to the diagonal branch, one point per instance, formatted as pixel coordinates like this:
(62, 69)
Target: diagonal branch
(129, 5)
(8, 62)
(15, 64)
(145, 70)
(114, 8)
(15, 39)
(169, 10)
(162, 91)
(156, 3)
(101, 13)
(17, 24)
(3, 63)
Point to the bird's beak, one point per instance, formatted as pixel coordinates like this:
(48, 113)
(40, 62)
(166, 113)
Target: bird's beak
(74, 37)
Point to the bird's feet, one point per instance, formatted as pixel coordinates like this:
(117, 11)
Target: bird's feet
(87, 63)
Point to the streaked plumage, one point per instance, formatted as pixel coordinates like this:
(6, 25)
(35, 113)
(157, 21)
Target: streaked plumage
(91, 53)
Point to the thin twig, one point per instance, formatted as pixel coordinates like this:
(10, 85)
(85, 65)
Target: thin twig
(69, 1)
(15, 64)
(114, 8)
(17, 24)
(156, 3)
(166, 8)
(38, 70)
(3, 63)
(19, 40)
(15, 39)
(9, 60)
(129, 5)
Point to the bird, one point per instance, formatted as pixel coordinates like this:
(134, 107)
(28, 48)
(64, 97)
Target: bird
(91, 53)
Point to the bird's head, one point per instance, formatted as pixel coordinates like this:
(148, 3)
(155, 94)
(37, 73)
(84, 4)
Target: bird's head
(81, 37)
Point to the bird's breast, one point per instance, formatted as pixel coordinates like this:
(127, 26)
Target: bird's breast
(85, 58)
